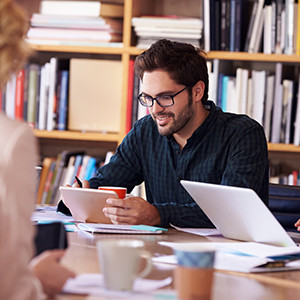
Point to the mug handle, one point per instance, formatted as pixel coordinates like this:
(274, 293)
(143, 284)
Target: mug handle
(146, 255)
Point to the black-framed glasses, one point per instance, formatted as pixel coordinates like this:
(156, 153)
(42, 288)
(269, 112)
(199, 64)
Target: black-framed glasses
(163, 100)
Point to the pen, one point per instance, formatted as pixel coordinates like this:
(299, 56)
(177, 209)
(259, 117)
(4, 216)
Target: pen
(78, 181)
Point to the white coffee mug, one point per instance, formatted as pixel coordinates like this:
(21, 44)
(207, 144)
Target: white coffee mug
(120, 261)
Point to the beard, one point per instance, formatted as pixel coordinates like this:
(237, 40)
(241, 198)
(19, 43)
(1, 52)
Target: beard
(178, 123)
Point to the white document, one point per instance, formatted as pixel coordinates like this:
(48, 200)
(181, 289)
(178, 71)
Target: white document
(246, 257)
(92, 284)
(199, 231)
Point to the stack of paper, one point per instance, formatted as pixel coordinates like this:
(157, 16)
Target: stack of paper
(151, 29)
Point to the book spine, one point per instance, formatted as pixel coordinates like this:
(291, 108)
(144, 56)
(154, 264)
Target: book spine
(130, 95)
(232, 25)
(298, 31)
(223, 25)
(250, 27)
(19, 99)
(289, 27)
(238, 26)
(63, 101)
(52, 96)
(32, 93)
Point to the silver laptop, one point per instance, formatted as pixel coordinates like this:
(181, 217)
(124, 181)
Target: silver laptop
(238, 213)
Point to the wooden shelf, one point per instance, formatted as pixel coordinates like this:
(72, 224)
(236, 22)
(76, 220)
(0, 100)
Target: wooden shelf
(76, 135)
(79, 49)
(283, 148)
(225, 55)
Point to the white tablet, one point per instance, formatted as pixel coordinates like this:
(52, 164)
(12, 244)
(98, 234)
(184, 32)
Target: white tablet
(86, 204)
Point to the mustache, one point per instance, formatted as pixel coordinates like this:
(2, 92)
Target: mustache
(163, 115)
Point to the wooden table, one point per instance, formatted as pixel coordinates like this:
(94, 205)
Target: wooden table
(81, 257)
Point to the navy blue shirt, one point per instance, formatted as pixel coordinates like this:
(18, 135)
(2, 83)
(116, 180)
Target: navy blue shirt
(227, 149)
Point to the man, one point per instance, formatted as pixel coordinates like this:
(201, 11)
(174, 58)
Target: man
(184, 137)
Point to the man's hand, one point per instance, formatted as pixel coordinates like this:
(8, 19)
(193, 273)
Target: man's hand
(297, 224)
(85, 184)
(131, 210)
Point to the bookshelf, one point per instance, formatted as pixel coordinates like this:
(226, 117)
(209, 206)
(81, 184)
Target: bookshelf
(134, 8)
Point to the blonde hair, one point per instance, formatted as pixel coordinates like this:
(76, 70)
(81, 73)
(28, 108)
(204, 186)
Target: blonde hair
(14, 50)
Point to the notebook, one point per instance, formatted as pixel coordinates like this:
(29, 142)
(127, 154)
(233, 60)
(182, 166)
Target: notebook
(238, 213)
(121, 229)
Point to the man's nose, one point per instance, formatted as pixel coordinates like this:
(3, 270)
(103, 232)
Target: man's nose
(156, 108)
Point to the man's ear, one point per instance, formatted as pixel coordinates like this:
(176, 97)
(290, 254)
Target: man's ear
(198, 90)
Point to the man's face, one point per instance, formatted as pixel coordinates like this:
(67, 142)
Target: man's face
(172, 119)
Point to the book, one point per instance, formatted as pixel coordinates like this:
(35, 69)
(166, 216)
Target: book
(223, 34)
(258, 83)
(250, 98)
(219, 92)
(254, 37)
(224, 93)
(25, 100)
(63, 101)
(206, 25)
(241, 89)
(90, 169)
(238, 25)
(298, 32)
(279, 19)
(287, 110)
(129, 95)
(267, 49)
(44, 95)
(232, 25)
(250, 26)
(213, 80)
(136, 92)
(269, 105)
(86, 35)
(48, 181)
(33, 82)
(297, 118)
(289, 27)
(45, 169)
(165, 22)
(103, 95)
(213, 24)
(52, 95)
(19, 98)
(277, 105)
(81, 8)
(10, 93)
(232, 100)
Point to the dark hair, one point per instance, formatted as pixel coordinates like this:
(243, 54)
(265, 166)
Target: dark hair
(185, 63)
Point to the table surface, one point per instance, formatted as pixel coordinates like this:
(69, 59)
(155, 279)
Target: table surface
(81, 257)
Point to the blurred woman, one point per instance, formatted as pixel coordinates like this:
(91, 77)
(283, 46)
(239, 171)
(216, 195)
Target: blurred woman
(21, 277)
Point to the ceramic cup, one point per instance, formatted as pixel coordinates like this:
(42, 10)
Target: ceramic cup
(194, 274)
(120, 191)
(120, 262)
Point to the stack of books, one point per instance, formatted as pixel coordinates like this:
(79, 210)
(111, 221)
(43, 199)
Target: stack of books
(150, 29)
(83, 23)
